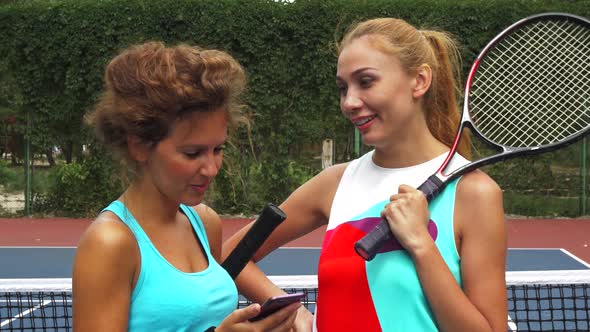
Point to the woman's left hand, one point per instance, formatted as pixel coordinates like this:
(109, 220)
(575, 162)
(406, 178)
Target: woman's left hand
(303, 321)
(407, 214)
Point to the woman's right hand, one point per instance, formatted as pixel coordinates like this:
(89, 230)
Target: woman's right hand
(238, 320)
(408, 216)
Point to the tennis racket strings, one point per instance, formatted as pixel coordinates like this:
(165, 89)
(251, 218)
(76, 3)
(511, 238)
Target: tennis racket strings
(533, 87)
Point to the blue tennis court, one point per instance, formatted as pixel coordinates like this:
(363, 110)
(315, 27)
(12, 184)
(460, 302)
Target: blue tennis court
(547, 288)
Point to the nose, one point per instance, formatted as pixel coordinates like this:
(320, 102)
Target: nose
(211, 165)
(350, 102)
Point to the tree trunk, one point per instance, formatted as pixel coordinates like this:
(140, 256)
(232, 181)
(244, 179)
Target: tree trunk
(50, 159)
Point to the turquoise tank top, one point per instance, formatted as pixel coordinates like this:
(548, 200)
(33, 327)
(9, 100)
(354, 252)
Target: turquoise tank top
(167, 299)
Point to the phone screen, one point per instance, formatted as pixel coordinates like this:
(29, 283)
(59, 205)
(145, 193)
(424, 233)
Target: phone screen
(275, 303)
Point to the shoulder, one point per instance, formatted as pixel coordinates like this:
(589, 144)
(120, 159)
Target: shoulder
(108, 233)
(321, 187)
(107, 246)
(477, 187)
(332, 174)
(214, 231)
(208, 216)
(479, 206)
(106, 268)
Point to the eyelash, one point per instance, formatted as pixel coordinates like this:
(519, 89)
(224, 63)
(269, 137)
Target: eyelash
(195, 154)
(364, 82)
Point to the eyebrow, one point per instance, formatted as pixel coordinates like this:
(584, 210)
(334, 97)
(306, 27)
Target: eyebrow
(199, 146)
(358, 71)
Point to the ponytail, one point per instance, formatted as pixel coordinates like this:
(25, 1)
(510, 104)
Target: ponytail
(441, 101)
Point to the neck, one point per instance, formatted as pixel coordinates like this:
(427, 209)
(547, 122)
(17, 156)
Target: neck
(147, 204)
(408, 151)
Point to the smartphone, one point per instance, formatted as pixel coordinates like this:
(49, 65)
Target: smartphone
(275, 303)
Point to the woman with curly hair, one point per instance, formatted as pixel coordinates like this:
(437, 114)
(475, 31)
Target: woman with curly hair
(149, 262)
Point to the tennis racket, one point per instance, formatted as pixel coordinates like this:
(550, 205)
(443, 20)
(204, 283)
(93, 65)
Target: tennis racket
(527, 92)
(269, 219)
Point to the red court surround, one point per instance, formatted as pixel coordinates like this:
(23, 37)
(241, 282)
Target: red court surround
(570, 234)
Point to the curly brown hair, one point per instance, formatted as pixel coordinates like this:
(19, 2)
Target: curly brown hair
(150, 86)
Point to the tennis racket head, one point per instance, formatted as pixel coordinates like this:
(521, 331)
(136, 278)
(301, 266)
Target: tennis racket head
(529, 88)
(527, 92)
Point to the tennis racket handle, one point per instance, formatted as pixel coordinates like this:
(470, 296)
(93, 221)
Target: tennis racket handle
(431, 187)
(269, 219)
(368, 246)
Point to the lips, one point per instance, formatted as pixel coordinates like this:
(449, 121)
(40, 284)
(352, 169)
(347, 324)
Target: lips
(363, 122)
(201, 188)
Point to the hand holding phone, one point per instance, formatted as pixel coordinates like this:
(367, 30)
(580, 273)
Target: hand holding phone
(276, 303)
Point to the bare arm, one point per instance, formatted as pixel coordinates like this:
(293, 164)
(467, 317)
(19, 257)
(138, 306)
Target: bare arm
(238, 319)
(307, 208)
(104, 273)
(481, 305)
(484, 247)
(479, 224)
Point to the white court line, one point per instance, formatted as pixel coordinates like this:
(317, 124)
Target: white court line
(511, 325)
(24, 313)
(36, 247)
(552, 249)
(56, 302)
(578, 259)
(313, 248)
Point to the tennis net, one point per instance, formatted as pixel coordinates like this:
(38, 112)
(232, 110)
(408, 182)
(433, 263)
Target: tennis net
(537, 301)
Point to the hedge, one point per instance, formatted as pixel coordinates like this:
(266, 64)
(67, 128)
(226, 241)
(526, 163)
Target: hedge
(53, 53)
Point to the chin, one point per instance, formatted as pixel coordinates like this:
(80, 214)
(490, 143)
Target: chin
(369, 141)
(192, 201)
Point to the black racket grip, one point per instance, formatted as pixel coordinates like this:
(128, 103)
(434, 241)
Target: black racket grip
(431, 187)
(269, 219)
(368, 246)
